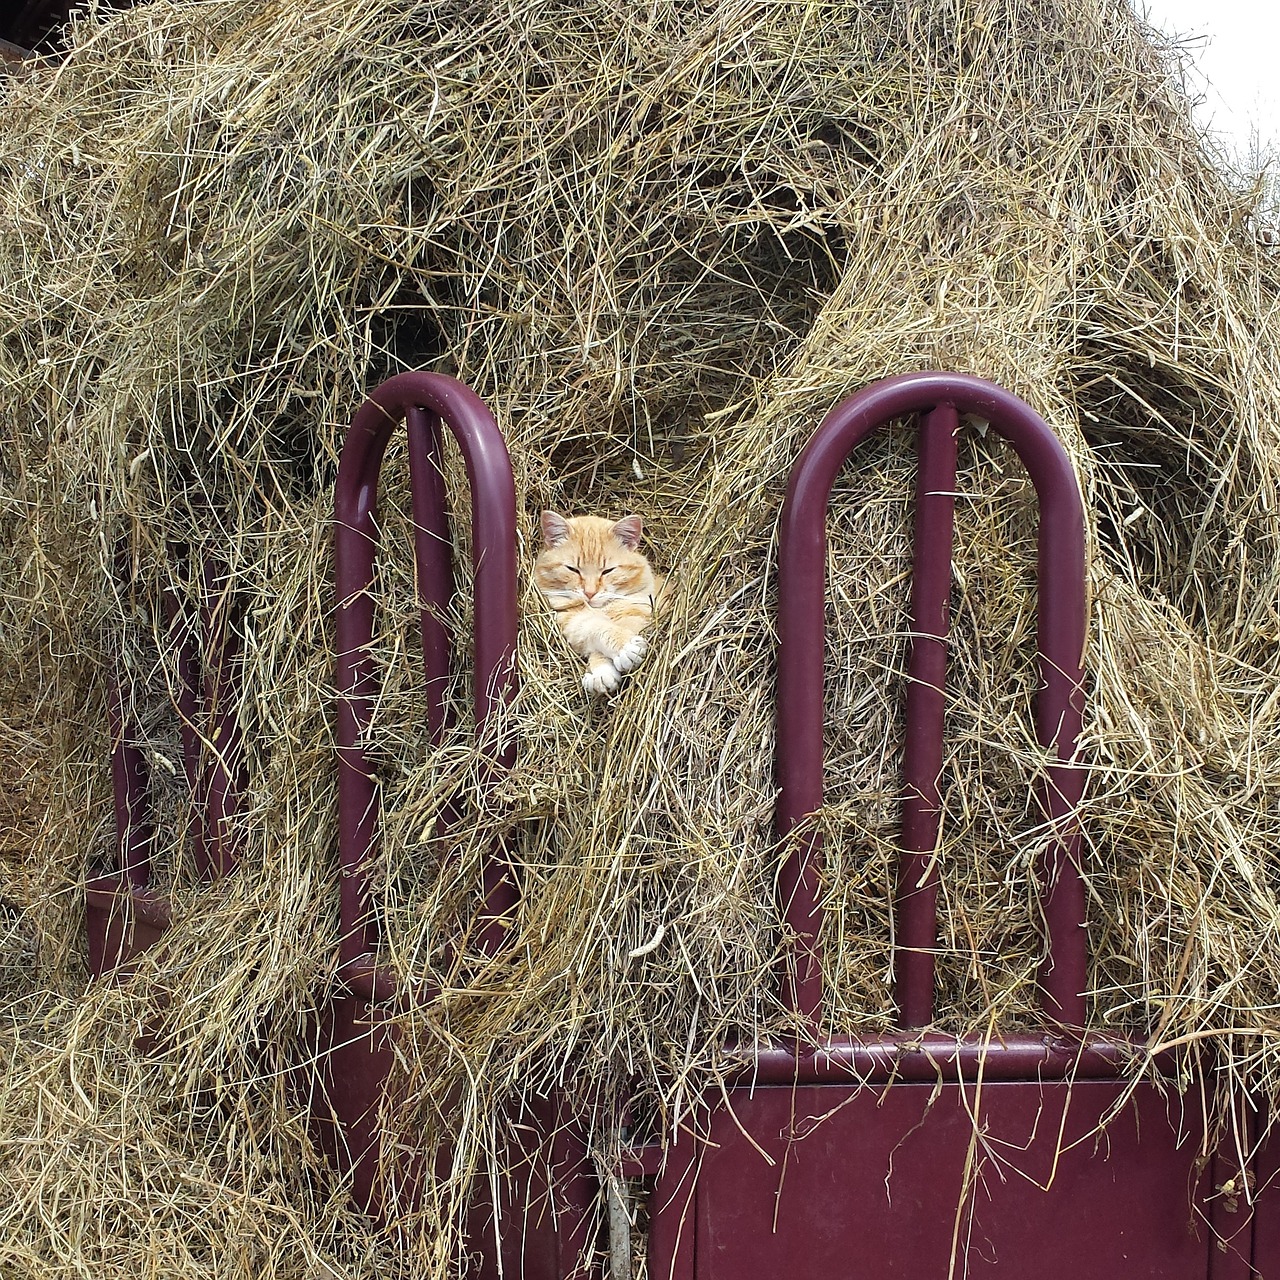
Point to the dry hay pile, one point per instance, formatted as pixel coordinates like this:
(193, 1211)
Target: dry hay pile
(660, 240)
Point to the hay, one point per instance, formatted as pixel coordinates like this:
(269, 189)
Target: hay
(660, 240)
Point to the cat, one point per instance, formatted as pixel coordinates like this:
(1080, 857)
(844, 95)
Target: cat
(604, 592)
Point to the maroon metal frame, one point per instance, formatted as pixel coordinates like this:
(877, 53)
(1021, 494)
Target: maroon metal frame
(912, 1098)
(539, 1227)
(795, 1161)
(124, 913)
(1059, 707)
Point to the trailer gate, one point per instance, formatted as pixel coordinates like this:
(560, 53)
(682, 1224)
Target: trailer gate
(911, 1154)
(915, 1154)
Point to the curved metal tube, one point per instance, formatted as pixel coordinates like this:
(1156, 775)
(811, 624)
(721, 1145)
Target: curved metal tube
(1060, 642)
(356, 541)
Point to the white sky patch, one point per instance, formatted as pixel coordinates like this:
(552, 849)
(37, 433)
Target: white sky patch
(1234, 45)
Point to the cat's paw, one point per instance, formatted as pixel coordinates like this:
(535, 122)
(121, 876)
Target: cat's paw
(602, 679)
(631, 655)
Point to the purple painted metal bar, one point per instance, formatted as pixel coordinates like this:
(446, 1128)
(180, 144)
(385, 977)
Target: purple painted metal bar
(917, 915)
(945, 1058)
(223, 779)
(113, 896)
(124, 915)
(433, 555)
(494, 572)
(1060, 640)
(131, 793)
(187, 700)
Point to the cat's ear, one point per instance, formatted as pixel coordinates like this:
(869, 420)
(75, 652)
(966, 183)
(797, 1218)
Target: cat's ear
(555, 529)
(628, 531)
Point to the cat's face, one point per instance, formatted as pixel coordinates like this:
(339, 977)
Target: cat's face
(591, 560)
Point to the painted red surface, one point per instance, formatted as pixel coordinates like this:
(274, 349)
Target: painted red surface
(1266, 1240)
(919, 1156)
(912, 1181)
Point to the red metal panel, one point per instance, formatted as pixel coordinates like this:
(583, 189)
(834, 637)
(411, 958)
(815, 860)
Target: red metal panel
(546, 1192)
(1266, 1213)
(920, 1181)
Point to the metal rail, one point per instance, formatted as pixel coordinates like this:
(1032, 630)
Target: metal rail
(1059, 705)
(125, 914)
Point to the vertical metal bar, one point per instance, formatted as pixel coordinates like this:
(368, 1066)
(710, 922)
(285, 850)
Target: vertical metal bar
(493, 539)
(122, 916)
(802, 577)
(356, 538)
(1060, 632)
(917, 920)
(223, 777)
(131, 792)
(187, 702)
(619, 1213)
(433, 556)
(130, 773)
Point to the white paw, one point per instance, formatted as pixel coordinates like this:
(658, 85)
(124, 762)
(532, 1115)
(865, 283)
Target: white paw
(602, 679)
(631, 654)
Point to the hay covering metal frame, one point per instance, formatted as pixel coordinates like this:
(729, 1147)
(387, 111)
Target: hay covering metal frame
(537, 1222)
(660, 240)
(913, 1153)
(1067, 1135)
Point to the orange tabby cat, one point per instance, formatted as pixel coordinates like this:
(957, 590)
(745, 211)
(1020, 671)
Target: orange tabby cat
(602, 589)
